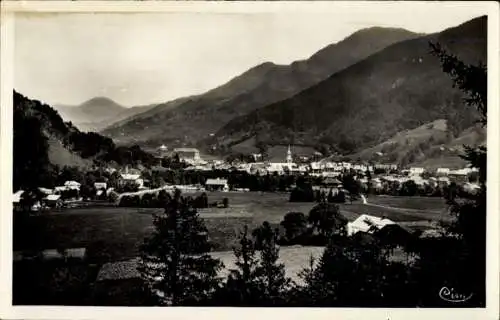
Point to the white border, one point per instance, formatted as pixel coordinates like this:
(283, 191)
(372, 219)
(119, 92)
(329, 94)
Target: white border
(7, 47)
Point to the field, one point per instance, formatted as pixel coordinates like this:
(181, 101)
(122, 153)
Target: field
(111, 233)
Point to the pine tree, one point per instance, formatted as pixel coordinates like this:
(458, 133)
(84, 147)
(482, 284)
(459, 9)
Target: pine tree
(175, 262)
(271, 274)
(242, 284)
(470, 224)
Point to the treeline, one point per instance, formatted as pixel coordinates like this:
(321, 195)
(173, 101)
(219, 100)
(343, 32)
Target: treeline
(163, 199)
(236, 179)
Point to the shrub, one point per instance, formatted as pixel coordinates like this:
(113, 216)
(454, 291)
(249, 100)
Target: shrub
(295, 224)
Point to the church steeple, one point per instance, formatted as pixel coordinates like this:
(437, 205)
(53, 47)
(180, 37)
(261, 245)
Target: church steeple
(289, 155)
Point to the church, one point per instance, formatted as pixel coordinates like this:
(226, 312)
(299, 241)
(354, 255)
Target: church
(283, 167)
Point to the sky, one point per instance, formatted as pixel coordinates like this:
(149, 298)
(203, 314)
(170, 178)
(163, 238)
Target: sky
(142, 58)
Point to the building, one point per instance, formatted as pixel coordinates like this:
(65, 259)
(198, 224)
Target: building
(376, 184)
(257, 157)
(216, 185)
(461, 175)
(46, 191)
(386, 167)
(443, 181)
(471, 188)
(331, 182)
(53, 201)
(257, 168)
(289, 158)
(132, 178)
(17, 196)
(442, 171)
(72, 185)
(162, 151)
(188, 154)
(416, 171)
(19, 205)
(367, 223)
(100, 185)
(16, 200)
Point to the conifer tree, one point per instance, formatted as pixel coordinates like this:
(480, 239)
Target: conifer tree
(470, 222)
(271, 274)
(242, 285)
(175, 262)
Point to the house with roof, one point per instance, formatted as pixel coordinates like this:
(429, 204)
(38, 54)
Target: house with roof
(471, 188)
(416, 171)
(162, 151)
(442, 171)
(131, 178)
(188, 155)
(72, 185)
(45, 191)
(367, 223)
(443, 181)
(100, 185)
(53, 201)
(17, 200)
(315, 168)
(274, 167)
(376, 184)
(19, 203)
(258, 168)
(460, 175)
(216, 185)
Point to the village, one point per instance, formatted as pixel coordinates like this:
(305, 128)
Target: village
(326, 176)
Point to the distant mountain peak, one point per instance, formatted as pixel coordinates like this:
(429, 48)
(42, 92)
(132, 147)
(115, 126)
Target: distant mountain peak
(100, 101)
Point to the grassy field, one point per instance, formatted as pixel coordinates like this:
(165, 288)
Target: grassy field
(111, 233)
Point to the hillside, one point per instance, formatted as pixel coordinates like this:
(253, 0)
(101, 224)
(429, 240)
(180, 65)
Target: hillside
(44, 143)
(430, 145)
(401, 87)
(97, 113)
(195, 118)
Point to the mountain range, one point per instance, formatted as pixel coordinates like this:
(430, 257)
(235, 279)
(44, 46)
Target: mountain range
(195, 118)
(400, 87)
(373, 91)
(98, 113)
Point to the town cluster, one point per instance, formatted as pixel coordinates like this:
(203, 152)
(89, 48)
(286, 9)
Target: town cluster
(326, 175)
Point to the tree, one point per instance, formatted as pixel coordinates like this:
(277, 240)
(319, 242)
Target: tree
(409, 188)
(147, 200)
(302, 193)
(242, 284)
(30, 145)
(174, 260)
(350, 184)
(327, 219)
(295, 224)
(271, 274)
(470, 215)
(88, 191)
(163, 199)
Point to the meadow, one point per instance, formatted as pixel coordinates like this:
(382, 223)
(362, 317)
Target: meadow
(115, 233)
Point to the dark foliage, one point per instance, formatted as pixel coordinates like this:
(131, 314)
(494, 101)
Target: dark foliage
(295, 224)
(175, 261)
(327, 220)
(242, 287)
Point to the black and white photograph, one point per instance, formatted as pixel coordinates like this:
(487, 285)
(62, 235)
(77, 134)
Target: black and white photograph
(315, 155)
